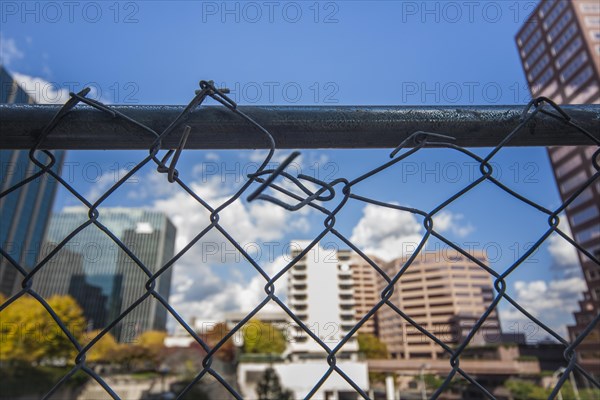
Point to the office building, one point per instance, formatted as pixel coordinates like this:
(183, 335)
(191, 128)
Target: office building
(364, 282)
(105, 280)
(572, 167)
(445, 294)
(559, 46)
(25, 211)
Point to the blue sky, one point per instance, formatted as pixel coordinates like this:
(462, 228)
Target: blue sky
(304, 53)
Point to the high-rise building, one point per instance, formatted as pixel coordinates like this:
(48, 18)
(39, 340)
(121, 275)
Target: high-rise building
(320, 293)
(559, 46)
(105, 271)
(364, 286)
(443, 293)
(25, 211)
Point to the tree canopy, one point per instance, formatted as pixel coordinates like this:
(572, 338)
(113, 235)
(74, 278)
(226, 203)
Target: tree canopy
(371, 346)
(262, 338)
(104, 350)
(29, 333)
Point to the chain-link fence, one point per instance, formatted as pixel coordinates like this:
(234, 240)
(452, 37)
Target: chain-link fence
(265, 185)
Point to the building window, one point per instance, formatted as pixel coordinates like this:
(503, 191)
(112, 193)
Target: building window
(533, 41)
(595, 35)
(588, 234)
(568, 166)
(582, 97)
(573, 182)
(579, 80)
(589, 8)
(560, 6)
(582, 198)
(561, 152)
(529, 61)
(545, 7)
(529, 28)
(564, 39)
(573, 66)
(544, 78)
(539, 67)
(562, 22)
(568, 52)
(592, 21)
(594, 250)
(585, 215)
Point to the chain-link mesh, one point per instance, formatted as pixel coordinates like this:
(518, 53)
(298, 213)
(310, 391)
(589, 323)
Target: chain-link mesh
(268, 181)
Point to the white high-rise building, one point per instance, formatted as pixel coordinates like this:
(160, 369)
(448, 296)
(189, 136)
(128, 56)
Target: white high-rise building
(321, 294)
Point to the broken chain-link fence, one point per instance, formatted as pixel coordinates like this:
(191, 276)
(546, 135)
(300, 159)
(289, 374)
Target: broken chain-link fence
(265, 186)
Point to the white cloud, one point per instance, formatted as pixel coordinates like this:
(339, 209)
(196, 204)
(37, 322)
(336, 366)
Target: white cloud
(42, 91)
(212, 156)
(386, 232)
(257, 156)
(389, 233)
(552, 302)
(9, 51)
(206, 297)
(153, 185)
(103, 183)
(563, 253)
(198, 291)
(449, 222)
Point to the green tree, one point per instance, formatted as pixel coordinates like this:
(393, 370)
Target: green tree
(371, 346)
(269, 387)
(523, 390)
(262, 338)
(28, 333)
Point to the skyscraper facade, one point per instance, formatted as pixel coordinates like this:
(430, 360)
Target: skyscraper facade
(25, 211)
(106, 271)
(559, 46)
(443, 293)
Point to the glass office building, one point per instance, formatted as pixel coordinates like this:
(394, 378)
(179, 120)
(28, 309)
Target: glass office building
(101, 276)
(25, 211)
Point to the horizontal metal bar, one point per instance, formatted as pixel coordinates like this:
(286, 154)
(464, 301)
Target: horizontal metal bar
(215, 127)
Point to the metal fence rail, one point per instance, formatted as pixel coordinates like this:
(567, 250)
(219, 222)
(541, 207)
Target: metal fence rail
(408, 130)
(291, 127)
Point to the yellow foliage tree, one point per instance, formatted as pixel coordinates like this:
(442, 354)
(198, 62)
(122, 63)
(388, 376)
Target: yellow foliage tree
(28, 332)
(145, 351)
(104, 350)
(151, 339)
